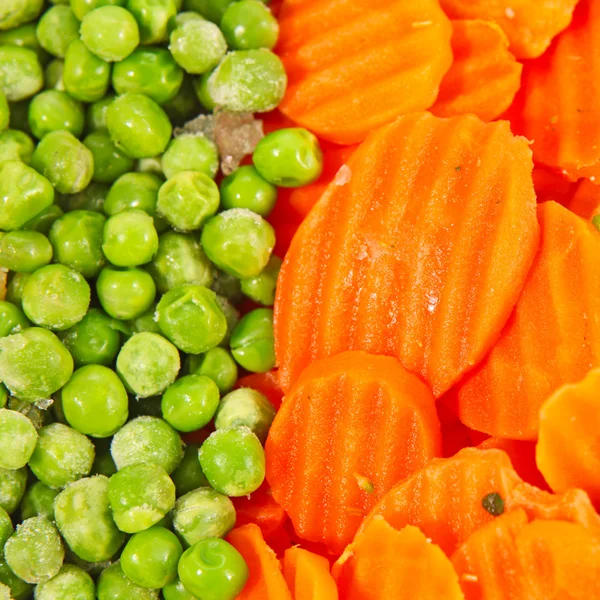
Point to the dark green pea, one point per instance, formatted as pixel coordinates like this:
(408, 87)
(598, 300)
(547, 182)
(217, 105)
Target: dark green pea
(15, 145)
(245, 188)
(109, 162)
(232, 315)
(252, 343)
(145, 322)
(203, 93)
(184, 106)
(152, 17)
(19, 112)
(21, 74)
(261, 288)
(145, 407)
(19, 589)
(53, 75)
(43, 221)
(129, 238)
(3, 395)
(86, 77)
(38, 501)
(6, 528)
(4, 112)
(14, 290)
(125, 293)
(197, 46)
(211, 9)
(15, 12)
(96, 114)
(493, 503)
(24, 251)
(70, 583)
(218, 364)
(83, 7)
(227, 286)
(12, 488)
(188, 475)
(25, 37)
(77, 241)
(57, 28)
(91, 198)
(249, 24)
(114, 585)
(104, 463)
(176, 591)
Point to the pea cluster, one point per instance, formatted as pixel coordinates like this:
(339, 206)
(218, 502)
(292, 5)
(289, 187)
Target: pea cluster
(128, 265)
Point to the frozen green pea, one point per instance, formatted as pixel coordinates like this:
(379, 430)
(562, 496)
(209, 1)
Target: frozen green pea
(15, 145)
(12, 317)
(152, 17)
(86, 77)
(211, 9)
(114, 585)
(34, 364)
(125, 293)
(6, 528)
(197, 46)
(130, 238)
(18, 438)
(96, 114)
(109, 162)
(16, 12)
(181, 18)
(218, 364)
(133, 190)
(188, 475)
(232, 316)
(147, 440)
(110, 32)
(245, 188)
(261, 288)
(24, 251)
(53, 75)
(12, 487)
(145, 322)
(83, 7)
(57, 28)
(202, 92)
(184, 106)
(176, 591)
(35, 552)
(189, 152)
(249, 24)
(252, 341)
(70, 583)
(24, 36)
(21, 74)
(91, 198)
(43, 221)
(38, 501)
(19, 589)
(140, 495)
(84, 519)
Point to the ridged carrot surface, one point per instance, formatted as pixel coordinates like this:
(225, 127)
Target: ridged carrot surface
(355, 65)
(585, 200)
(558, 106)
(265, 383)
(552, 337)
(568, 453)
(530, 25)
(412, 252)
(387, 564)
(307, 575)
(351, 427)
(265, 581)
(484, 76)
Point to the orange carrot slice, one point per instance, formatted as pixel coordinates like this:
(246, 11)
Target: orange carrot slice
(585, 200)
(550, 185)
(387, 564)
(568, 453)
(529, 24)
(352, 426)
(552, 337)
(412, 252)
(265, 383)
(307, 575)
(484, 76)
(265, 581)
(355, 65)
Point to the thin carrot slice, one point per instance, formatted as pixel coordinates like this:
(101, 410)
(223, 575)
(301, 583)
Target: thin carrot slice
(352, 426)
(552, 337)
(307, 575)
(568, 453)
(265, 581)
(412, 252)
(355, 65)
(265, 383)
(558, 106)
(484, 76)
(387, 564)
(550, 185)
(530, 25)
(585, 200)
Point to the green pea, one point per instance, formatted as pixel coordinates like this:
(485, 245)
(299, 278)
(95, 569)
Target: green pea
(233, 461)
(64, 161)
(179, 261)
(70, 583)
(3, 395)
(184, 106)
(23, 194)
(197, 46)
(125, 294)
(6, 528)
(138, 126)
(114, 585)
(140, 495)
(24, 251)
(4, 112)
(14, 290)
(245, 188)
(188, 475)
(249, 24)
(18, 438)
(188, 199)
(35, 552)
(261, 288)
(84, 519)
(130, 238)
(231, 314)
(21, 74)
(77, 241)
(252, 342)
(38, 501)
(86, 77)
(53, 75)
(110, 32)
(203, 513)
(248, 81)
(19, 589)
(56, 297)
(34, 364)
(109, 162)
(62, 455)
(150, 557)
(203, 93)
(15, 145)
(43, 221)
(24, 36)
(91, 198)
(181, 18)
(57, 28)
(190, 152)
(239, 242)
(213, 569)
(289, 157)
(96, 114)
(218, 364)
(176, 591)
(13, 483)
(16, 12)
(149, 71)
(152, 17)
(145, 322)
(83, 7)
(211, 9)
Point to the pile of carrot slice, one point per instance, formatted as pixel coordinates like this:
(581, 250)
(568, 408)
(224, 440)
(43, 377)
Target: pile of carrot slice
(437, 319)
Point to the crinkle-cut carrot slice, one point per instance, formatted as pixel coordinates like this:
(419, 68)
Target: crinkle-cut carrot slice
(265, 383)
(551, 185)
(387, 564)
(484, 76)
(529, 25)
(552, 337)
(558, 106)
(419, 251)
(585, 200)
(307, 575)
(351, 427)
(265, 581)
(568, 452)
(355, 65)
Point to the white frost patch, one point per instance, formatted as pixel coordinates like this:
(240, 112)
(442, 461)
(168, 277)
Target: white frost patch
(509, 12)
(343, 176)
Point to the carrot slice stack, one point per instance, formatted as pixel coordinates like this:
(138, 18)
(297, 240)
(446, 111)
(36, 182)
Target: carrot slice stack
(550, 185)
(352, 426)
(307, 575)
(355, 65)
(413, 252)
(387, 564)
(552, 337)
(484, 76)
(529, 24)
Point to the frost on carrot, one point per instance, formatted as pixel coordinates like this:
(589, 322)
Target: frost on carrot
(307, 575)
(387, 564)
(484, 76)
(355, 65)
(351, 427)
(552, 337)
(529, 25)
(419, 253)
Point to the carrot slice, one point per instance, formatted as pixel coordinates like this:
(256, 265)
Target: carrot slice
(355, 65)
(387, 564)
(558, 105)
(585, 200)
(530, 25)
(265, 581)
(352, 426)
(550, 185)
(265, 383)
(412, 252)
(484, 76)
(552, 337)
(568, 453)
(307, 575)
